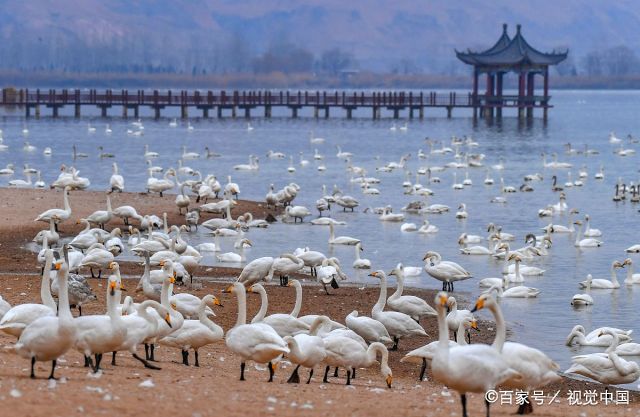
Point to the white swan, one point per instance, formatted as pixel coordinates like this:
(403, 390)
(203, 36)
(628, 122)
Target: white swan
(340, 240)
(256, 270)
(586, 242)
(345, 352)
(369, 329)
(99, 334)
(519, 291)
(470, 368)
(255, 341)
(427, 228)
(631, 278)
(535, 368)
(116, 182)
(608, 368)
(283, 324)
(399, 325)
(583, 299)
(410, 305)
(601, 283)
(101, 217)
(17, 318)
(329, 272)
(476, 250)
(194, 334)
(285, 265)
(61, 214)
(232, 257)
(588, 231)
(306, 350)
(446, 271)
(595, 337)
(360, 263)
(49, 337)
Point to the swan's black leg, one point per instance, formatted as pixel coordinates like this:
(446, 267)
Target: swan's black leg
(488, 404)
(295, 377)
(146, 351)
(463, 400)
(195, 352)
(335, 372)
(33, 364)
(92, 275)
(455, 337)
(79, 310)
(242, 365)
(272, 371)
(395, 343)
(423, 369)
(354, 373)
(185, 357)
(53, 369)
(153, 356)
(145, 363)
(87, 362)
(310, 375)
(113, 358)
(348, 376)
(468, 337)
(326, 374)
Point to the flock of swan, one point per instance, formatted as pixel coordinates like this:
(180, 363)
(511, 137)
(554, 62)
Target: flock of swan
(46, 331)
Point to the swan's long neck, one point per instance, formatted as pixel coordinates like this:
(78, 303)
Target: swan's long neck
(45, 287)
(164, 222)
(614, 343)
(400, 287)
(87, 226)
(316, 324)
(109, 210)
(501, 331)
(64, 314)
(202, 315)
(382, 298)
(241, 296)
(331, 233)
(614, 276)
(372, 354)
(264, 304)
(629, 273)
(518, 277)
(295, 348)
(460, 335)
(241, 252)
(65, 198)
(578, 236)
(357, 252)
(229, 212)
(164, 293)
(298, 305)
(443, 335)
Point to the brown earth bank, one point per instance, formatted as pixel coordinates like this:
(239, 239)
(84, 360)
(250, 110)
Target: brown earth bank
(214, 389)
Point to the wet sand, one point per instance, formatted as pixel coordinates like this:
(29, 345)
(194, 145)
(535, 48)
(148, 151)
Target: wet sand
(214, 388)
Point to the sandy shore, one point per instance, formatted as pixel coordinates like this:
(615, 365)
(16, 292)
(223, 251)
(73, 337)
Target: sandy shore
(214, 389)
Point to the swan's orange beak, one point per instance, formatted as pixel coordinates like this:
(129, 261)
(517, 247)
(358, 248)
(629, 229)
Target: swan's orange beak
(216, 302)
(373, 274)
(172, 280)
(389, 380)
(57, 266)
(479, 305)
(161, 263)
(228, 290)
(474, 325)
(112, 288)
(443, 298)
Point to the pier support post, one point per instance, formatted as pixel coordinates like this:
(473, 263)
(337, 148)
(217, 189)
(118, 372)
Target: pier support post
(294, 112)
(76, 110)
(349, 113)
(233, 112)
(410, 112)
(315, 112)
(530, 92)
(267, 111)
(421, 115)
(55, 111)
(326, 112)
(103, 111)
(184, 112)
(219, 112)
(156, 110)
(37, 111)
(27, 111)
(247, 113)
(205, 112)
(124, 112)
(136, 112)
(499, 83)
(449, 110)
(396, 113)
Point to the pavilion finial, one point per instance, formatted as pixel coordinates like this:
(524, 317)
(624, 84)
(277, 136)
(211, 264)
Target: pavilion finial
(518, 26)
(504, 28)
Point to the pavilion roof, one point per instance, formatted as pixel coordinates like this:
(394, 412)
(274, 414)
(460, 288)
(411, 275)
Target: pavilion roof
(511, 52)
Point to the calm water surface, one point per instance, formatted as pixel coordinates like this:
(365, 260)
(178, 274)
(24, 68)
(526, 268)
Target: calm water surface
(581, 118)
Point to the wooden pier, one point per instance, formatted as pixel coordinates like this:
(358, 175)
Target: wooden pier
(251, 103)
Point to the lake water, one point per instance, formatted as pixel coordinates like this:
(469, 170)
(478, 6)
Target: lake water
(580, 117)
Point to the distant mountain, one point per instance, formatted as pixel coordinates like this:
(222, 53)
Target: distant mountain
(226, 35)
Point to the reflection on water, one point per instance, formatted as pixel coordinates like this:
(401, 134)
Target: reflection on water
(579, 118)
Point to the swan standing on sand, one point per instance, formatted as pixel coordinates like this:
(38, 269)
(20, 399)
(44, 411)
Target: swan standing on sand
(116, 181)
(345, 352)
(283, 324)
(17, 318)
(369, 329)
(399, 325)
(535, 368)
(256, 341)
(410, 305)
(446, 271)
(306, 350)
(101, 217)
(195, 334)
(61, 214)
(49, 337)
(471, 368)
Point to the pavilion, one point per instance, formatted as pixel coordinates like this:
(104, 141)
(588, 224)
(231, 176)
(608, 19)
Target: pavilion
(511, 55)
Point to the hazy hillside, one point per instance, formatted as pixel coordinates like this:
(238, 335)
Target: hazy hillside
(225, 35)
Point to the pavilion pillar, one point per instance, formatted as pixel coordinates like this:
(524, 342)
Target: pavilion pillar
(488, 111)
(530, 94)
(475, 92)
(521, 82)
(499, 77)
(546, 94)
